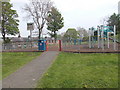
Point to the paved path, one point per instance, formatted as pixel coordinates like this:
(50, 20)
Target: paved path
(28, 75)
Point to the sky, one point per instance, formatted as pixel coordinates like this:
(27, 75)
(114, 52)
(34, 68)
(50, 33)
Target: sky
(76, 13)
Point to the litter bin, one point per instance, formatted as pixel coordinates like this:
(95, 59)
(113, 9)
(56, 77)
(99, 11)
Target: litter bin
(42, 45)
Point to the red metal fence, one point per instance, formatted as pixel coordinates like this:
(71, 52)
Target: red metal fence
(52, 45)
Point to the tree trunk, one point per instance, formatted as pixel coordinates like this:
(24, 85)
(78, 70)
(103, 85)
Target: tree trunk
(39, 34)
(3, 34)
(4, 37)
(55, 36)
(55, 39)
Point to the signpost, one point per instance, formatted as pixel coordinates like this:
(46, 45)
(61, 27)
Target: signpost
(30, 26)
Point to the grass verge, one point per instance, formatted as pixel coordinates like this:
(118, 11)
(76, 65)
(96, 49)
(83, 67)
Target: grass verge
(82, 71)
(11, 61)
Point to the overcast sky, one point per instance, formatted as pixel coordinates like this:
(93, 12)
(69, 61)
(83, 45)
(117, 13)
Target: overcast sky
(76, 13)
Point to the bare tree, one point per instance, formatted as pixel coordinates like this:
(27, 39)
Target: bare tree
(104, 20)
(82, 32)
(38, 10)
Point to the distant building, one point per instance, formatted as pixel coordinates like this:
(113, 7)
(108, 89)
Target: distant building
(119, 7)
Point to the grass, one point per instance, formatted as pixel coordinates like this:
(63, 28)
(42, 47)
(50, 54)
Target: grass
(82, 71)
(11, 61)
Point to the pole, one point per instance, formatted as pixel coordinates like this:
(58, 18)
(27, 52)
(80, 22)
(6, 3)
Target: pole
(89, 38)
(114, 37)
(102, 38)
(30, 33)
(92, 41)
(31, 37)
(98, 37)
(92, 38)
(108, 40)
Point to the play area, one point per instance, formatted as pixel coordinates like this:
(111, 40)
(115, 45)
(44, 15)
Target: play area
(101, 39)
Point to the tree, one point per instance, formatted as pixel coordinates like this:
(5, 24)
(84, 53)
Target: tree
(9, 20)
(59, 36)
(82, 32)
(54, 22)
(71, 34)
(115, 20)
(104, 20)
(38, 11)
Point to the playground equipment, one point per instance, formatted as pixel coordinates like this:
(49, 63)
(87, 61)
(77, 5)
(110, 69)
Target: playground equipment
(100, 35)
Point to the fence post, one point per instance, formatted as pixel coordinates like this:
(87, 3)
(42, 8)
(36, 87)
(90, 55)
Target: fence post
(60, 46)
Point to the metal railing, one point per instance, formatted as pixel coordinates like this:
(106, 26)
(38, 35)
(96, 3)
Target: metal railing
(19, 45)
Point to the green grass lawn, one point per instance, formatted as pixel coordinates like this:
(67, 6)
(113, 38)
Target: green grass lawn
(82, 70)
(11, 61)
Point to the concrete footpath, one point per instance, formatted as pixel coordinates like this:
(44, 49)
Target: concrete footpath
(28, 75)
